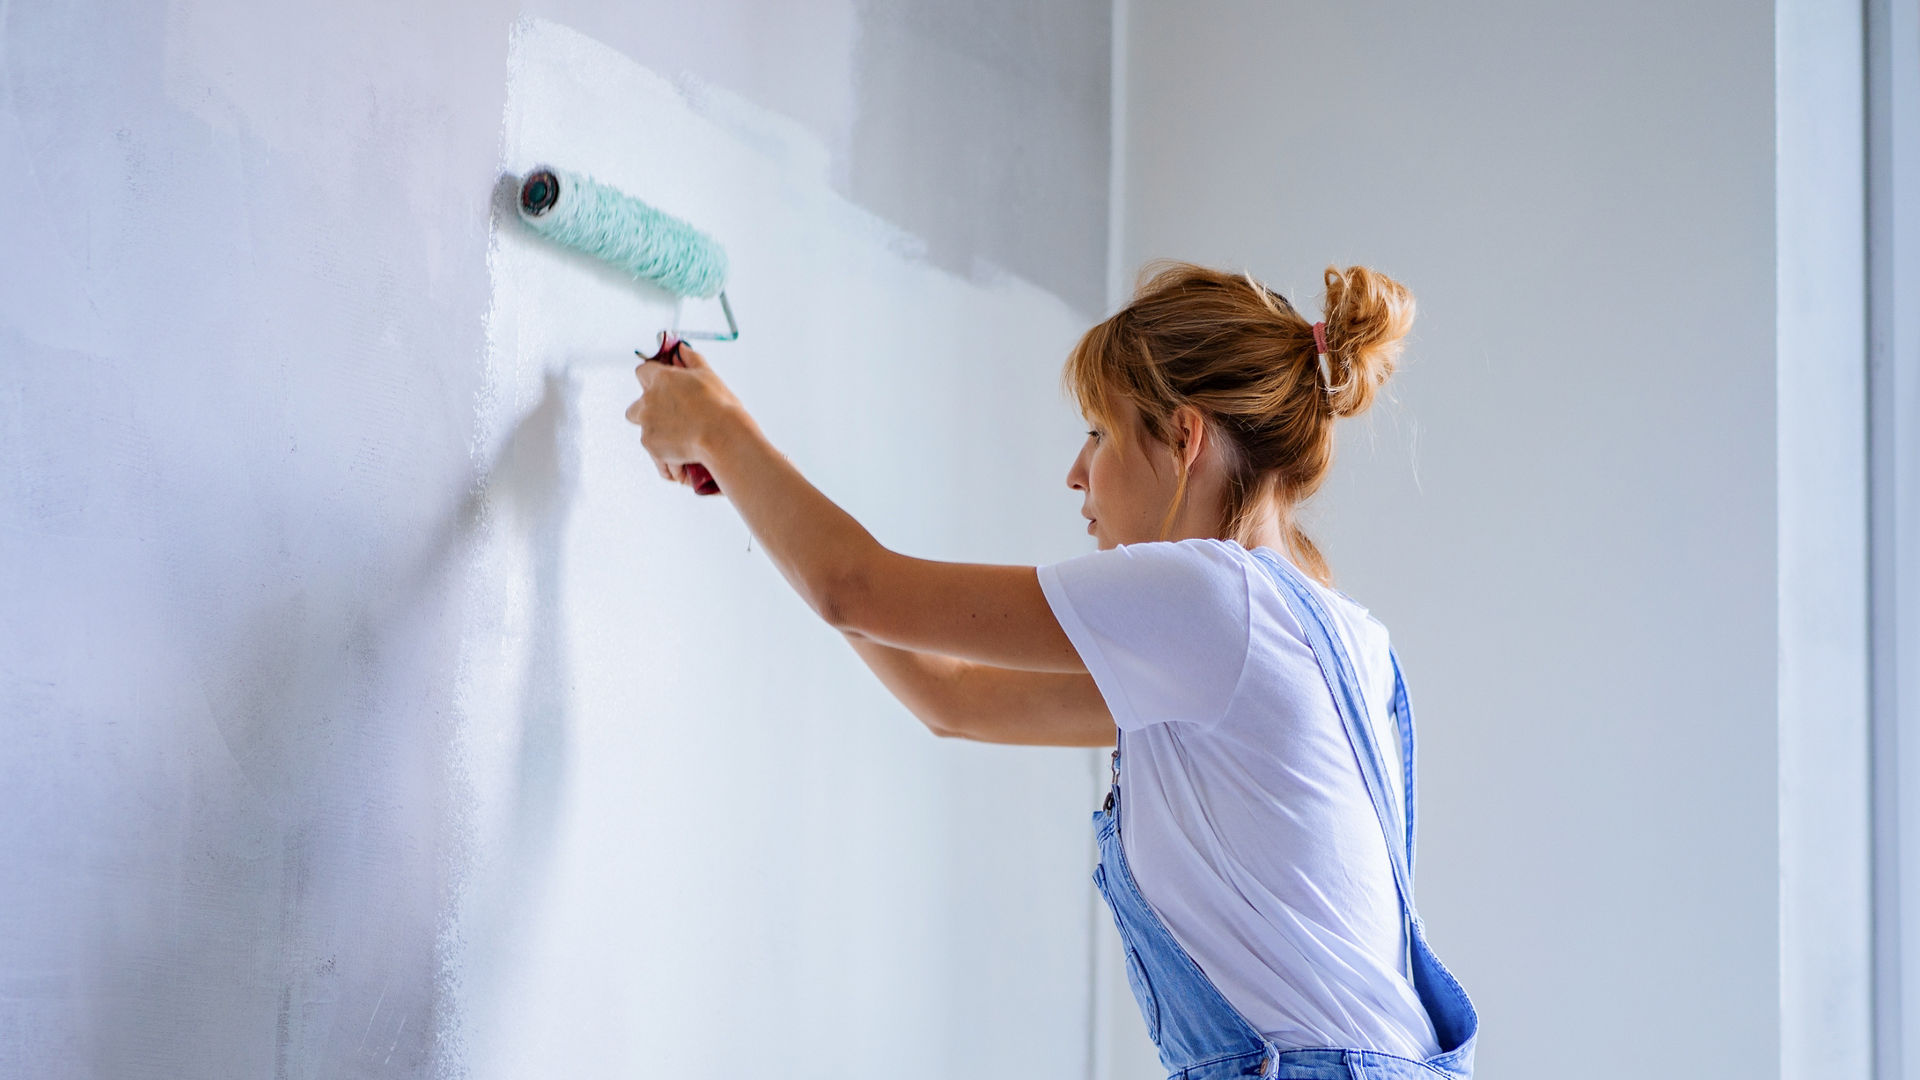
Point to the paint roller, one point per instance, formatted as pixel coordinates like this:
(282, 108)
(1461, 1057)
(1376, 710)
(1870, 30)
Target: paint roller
(578, 212)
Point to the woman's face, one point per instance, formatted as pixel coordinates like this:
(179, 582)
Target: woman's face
(1126, 492)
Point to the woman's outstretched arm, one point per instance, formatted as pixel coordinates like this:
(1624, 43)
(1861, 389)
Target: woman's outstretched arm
(995, 615)
(957, 698)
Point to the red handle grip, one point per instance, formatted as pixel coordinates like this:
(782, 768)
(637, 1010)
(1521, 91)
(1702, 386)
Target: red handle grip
(703, 481)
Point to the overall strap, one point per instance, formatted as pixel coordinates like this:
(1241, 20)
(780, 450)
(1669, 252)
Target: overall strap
(1403, 720)
(1336, 668)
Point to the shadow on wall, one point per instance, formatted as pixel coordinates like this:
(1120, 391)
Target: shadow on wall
(520, 508)
(536, 478)
(528, 490)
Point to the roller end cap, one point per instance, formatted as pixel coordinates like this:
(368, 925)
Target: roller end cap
(538, 192)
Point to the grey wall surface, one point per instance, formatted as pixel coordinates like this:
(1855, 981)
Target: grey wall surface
(243, 310)
(1570, 515)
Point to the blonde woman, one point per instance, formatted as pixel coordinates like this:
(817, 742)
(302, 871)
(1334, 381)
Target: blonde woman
(1256, 845)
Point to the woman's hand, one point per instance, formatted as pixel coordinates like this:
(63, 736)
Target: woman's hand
(680, 409)
(687, 416)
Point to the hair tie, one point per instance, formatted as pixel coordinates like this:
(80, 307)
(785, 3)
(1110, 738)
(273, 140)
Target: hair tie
(1320, 347)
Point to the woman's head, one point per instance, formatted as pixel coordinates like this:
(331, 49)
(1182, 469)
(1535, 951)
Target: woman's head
(1210, 415)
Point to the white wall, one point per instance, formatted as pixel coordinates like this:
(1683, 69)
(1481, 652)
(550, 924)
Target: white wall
(1893, 184)
(1825, 731)
(370, 707)
(1593, 517)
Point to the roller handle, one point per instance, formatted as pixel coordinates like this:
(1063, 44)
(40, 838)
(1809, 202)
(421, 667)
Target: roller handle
(703, 481)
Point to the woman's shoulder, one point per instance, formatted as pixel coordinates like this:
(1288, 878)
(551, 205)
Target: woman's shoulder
(1192, 547)
(1223, 564)
(1192, 558)
(1359, 619)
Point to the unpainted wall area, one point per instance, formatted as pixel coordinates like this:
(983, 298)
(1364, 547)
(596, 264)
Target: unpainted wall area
(254, 462)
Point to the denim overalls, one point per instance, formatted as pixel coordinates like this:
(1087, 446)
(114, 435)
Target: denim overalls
(1200, 1035)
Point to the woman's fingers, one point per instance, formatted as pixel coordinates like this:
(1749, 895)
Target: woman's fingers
(666, 471)
(649, 372)
(669, 471)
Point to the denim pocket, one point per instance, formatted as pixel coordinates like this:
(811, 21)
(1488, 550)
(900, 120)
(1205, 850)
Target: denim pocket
(1136, 970)
(1143, 993)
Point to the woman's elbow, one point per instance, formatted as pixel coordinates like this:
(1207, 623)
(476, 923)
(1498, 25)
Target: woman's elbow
(944, 730)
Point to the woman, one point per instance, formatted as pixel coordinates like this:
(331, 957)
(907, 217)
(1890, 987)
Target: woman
(1262, 765)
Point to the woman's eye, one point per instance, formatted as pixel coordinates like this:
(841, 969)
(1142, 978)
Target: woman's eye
(1093, 434)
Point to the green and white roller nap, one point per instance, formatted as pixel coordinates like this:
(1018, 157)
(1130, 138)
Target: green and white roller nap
(581, 213)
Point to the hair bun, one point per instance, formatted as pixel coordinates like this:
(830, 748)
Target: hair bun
(1368, 313)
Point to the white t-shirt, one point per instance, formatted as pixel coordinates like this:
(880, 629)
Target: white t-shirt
(1244, 816)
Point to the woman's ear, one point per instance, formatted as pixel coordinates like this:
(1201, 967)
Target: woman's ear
(1190, 433)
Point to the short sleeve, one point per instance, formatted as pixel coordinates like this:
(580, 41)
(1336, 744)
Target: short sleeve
(1163, 627)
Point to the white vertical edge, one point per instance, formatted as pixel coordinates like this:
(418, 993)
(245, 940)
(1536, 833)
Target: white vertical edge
(1825, 821)
(1893, 265)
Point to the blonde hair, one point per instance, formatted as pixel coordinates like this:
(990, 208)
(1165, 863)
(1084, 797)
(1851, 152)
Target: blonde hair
(1238, 351)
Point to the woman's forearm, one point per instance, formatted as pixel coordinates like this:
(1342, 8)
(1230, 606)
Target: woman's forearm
(922, 681)
(815, 544)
